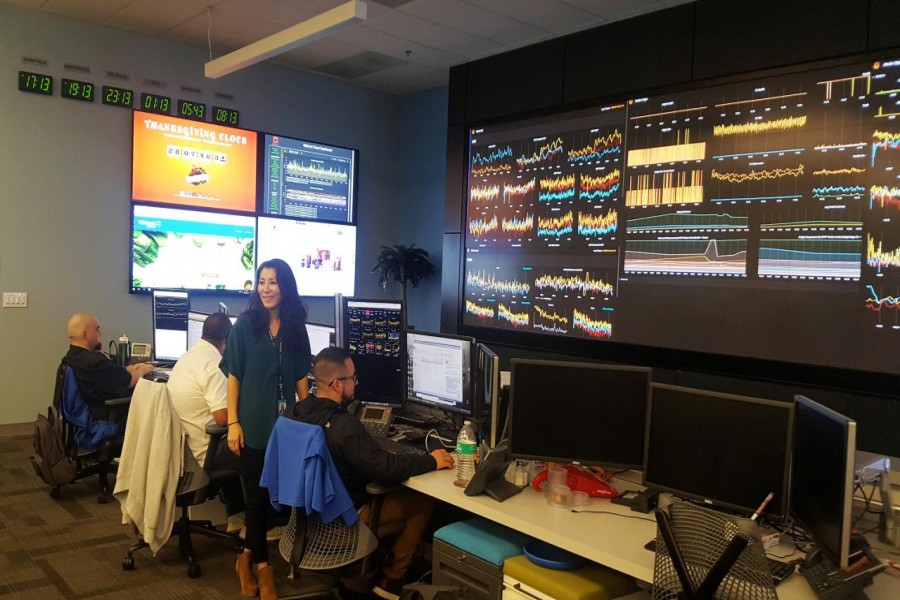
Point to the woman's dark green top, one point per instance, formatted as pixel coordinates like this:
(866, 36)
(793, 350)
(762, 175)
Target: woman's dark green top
(253, 360)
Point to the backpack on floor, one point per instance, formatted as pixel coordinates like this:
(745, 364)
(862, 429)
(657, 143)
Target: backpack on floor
(50, 462)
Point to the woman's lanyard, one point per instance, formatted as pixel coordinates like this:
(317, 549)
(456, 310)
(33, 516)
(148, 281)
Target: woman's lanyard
(282, 401)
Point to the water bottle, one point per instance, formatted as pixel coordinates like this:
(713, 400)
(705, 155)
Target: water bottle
(465, 455)
(123, 350)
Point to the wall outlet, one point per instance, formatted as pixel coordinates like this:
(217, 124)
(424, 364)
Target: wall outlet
(15, 299)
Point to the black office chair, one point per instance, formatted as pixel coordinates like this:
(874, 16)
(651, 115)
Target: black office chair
(89, 460)
(195, 486)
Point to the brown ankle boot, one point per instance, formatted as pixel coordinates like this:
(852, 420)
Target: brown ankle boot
(249, 588)
(266, 577)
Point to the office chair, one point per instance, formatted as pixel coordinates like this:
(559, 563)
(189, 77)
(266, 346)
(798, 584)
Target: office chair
(703, 554)
(317, 537)
(90, 444)
(195, 484)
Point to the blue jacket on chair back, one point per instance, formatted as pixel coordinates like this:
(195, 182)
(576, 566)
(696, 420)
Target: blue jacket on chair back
(89, 432)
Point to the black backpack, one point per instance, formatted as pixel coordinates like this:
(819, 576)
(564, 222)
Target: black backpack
(51, 463)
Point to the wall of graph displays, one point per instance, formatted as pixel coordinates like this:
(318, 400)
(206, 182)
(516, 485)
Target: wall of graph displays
(756, 219)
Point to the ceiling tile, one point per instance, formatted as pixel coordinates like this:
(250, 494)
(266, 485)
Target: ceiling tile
(525, 35)
(463, 16)
(318, 53)
(94, 11)
(412, 28)
(535, 12)
(156, 17)
(26, 3)
(357, 65)
(372, 39)
(405, 79)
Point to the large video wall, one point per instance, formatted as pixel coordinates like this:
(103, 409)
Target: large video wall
(757, 219)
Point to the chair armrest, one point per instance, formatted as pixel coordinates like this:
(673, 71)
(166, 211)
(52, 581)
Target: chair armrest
(375, 489)
(118, 401)
(214, 429)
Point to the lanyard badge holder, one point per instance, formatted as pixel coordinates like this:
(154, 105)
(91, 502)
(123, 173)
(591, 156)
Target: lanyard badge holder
(282, 400)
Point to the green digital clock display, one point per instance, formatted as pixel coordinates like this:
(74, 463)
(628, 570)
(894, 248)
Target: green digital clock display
(155, 104)
(192, 110)
(116, 96)
(77, 90)
(225, 116)
(35, 83)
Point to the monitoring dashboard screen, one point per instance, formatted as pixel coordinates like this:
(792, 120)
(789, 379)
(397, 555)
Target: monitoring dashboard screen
(191, 249)
(578, 412)
(195, 328)
(724, 450)
(320, 337)
(439, 371)
(170, 324)
(321, 255)
(193, 164)
(766, 209)
(372, 335)
(308, 180)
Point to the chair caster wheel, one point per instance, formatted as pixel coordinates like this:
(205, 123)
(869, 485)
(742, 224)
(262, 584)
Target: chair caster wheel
(128, 563)
(193, 571)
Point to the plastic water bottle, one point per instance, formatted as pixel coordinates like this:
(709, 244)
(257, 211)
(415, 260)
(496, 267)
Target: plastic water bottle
(123, 350)
(465, 454)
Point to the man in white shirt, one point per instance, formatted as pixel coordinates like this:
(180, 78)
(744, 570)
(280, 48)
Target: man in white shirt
(197, 387)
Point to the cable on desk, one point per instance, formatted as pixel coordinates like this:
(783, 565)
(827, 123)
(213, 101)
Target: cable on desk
(609, 512)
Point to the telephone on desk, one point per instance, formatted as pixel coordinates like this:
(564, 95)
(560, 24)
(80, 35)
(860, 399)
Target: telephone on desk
(580, 479)
(376, 420)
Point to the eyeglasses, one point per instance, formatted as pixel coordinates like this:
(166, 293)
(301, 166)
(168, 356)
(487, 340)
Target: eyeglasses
(354, 377)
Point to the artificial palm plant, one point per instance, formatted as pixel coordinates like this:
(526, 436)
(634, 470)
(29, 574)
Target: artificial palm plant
(405, 264)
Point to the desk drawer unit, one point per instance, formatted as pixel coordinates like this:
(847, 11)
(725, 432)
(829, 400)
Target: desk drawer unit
(524, 580)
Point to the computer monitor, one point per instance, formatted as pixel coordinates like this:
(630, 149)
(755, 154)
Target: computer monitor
(822, 483)
(487, 389)
(578, 412)
(724, 450)
(195, 327)
(170, 324)
(372, 335)
(320, 337)
(439, 371)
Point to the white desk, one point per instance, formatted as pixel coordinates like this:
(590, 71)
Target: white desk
(613, 540)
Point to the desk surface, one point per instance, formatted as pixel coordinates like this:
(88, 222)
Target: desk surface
(614, 536)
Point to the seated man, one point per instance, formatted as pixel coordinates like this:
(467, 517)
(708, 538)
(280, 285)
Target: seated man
(99, 379)
(197, 387)
(359, 460)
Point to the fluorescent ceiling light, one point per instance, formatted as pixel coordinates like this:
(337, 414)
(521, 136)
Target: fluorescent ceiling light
(304, 32)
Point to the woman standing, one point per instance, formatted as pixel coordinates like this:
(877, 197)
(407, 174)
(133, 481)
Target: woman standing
(267, 359)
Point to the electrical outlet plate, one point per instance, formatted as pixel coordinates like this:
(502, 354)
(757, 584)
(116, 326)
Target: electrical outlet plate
(15, 299)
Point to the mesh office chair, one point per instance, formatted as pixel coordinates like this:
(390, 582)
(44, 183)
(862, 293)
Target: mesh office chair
(195, 486)
(92, 445)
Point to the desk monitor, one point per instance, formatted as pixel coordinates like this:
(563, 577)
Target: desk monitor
(487, 382)
(320, 337)
(822, 483)
(439, 371)
(195, 327)
(578, 412)
(170, 324)
(372, 336)
(724, 450)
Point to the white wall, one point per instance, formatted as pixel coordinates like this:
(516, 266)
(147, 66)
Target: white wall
(65, 169)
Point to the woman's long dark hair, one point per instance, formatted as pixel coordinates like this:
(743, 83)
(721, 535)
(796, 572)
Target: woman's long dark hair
(293, 311)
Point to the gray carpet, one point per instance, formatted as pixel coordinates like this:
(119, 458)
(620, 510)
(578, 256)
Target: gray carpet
(73, 547)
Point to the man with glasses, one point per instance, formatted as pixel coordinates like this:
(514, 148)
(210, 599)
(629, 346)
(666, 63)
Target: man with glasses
(359, 460)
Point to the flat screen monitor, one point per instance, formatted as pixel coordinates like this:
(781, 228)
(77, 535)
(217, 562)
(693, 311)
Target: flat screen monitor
(170, 324)
(321, 255)
(308, 180)
(487, 382)
(822, 484)
(201, 251)
(372, 334)
(193, 164)
(439, 371)
(195, 327)
(320, 337)
(578, 412)
(724, 450)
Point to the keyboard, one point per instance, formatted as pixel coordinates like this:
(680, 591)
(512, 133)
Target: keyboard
(780, 570)
(395, 447)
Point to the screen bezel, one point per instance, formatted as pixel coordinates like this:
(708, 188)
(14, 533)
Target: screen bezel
(847, 427)
(261, 181)
(487, 382)
(155, 345)
(781, 514)
(531, 364)
(468, 390)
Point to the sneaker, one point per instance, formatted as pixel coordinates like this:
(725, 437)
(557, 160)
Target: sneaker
(388, 587)
(235, 523)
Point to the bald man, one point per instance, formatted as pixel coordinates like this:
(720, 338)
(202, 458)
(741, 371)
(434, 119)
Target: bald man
(99, 379)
